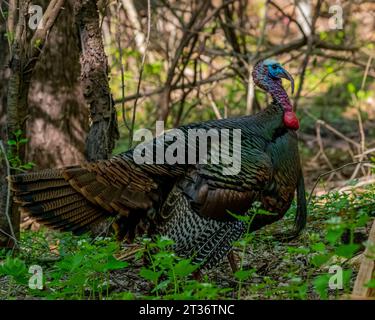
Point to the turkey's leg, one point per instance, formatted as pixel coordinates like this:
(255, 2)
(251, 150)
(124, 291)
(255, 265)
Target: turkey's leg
(197, 275)
(233, 261)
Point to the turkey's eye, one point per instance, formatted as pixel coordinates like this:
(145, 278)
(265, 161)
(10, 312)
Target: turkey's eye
(274, 66)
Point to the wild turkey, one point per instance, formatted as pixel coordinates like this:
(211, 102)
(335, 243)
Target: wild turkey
(189, 203)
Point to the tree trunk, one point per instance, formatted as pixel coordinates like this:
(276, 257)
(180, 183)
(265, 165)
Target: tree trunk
(16, 105)
(4, 75)
(54, 97)
(94, 76)
(58, 116)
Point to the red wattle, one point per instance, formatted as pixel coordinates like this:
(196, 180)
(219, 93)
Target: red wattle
(290, 120)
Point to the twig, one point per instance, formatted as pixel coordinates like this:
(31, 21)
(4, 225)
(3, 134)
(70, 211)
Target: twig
(364, 153)
(214, 106)
(310, 47)
(289, 17)
(8, 235)
(321, 149)
(366, 72)
(360, 123)
(211, 79)
(323, 79)
(132, 14)
(118, 38)
(10, 26)
(362, 144)
(353, 60)
(41, 34)
(190, 32)
(329, 172)
(309, 23)
(250, 85)
(359, 184)
(332, 129)
(7, 205)
(141, 72)
(105, 230)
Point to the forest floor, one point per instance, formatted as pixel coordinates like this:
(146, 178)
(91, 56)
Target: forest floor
(82, 268)
(277, 270)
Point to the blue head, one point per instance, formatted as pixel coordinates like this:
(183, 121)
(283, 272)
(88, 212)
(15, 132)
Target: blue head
(268, 73)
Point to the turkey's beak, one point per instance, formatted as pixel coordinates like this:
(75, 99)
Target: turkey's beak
(286, 75)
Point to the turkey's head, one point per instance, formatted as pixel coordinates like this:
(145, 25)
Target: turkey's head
(267, 74)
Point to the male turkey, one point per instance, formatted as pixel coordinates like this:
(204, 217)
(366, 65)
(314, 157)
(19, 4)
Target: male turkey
(190, 203)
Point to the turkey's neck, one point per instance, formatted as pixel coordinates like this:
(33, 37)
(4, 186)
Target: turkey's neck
(280, 96)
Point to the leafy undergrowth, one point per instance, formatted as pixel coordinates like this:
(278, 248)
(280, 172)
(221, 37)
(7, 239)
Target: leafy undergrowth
(321, 264)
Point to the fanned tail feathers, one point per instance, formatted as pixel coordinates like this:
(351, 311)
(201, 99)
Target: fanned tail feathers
(47, 196)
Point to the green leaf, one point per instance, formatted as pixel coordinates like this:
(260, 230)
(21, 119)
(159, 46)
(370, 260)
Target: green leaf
(149, 274)
(243, 218)
(347, 250)
(12, 142)
(114, 264)
(347, 275)
(16, 268)
(70, 262)
(333, 235)
(125, 296)
(361, 94)
(76, 262)
(351, 87)
(299, 250)
(320, 259)
(302, 290)
(370, 284)
(162, 285)
(244, 274)
(184, 268)
(319, 247)
(28, 166)
(37, 43)
(362, 221)
(164, 242)
(323, 35)
(321, 285)
(164, 258)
